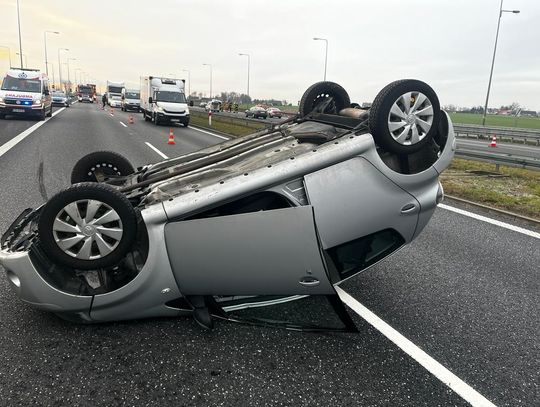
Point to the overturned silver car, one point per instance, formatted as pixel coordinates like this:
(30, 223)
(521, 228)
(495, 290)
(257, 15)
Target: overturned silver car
(284, 213)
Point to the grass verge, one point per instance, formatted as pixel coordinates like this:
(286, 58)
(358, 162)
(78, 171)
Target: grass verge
(496, 120)
(512, 189)
(233, 128)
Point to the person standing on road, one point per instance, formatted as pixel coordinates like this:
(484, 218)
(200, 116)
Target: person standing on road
(103, 100)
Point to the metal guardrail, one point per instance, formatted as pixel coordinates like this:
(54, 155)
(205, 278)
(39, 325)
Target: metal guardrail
(525, 136)
(502, 159)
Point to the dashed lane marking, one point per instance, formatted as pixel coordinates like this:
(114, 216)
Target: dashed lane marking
(156, 150)
(435, 368)
(492, 221)
(4, 148)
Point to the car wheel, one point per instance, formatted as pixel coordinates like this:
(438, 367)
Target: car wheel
(185, 124)
(324, 97)
(404, 116)
(156, 120)
(87, 226)
(2, 116)
(100, 164)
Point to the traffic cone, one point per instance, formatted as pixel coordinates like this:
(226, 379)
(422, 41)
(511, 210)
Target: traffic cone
(493, 141)
(130, 120)
(171, 137)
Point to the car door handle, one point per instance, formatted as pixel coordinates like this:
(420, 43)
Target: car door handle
(409, 208)
(309, 281)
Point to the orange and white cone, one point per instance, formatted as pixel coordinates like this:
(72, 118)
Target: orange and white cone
(493, 141)
(130, 120)
(171, 137)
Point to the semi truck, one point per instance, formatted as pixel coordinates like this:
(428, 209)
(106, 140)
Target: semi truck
(163, 100)
(114, 93)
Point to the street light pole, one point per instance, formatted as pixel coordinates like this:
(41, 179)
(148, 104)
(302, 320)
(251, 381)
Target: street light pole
(25, 59)
(9, 54)
(210, 65)
(19, 25)
(45, 42)
(249, 61)
(60, 65)
(189, 80)
(69, 80)
(325, 53)
(501, 11)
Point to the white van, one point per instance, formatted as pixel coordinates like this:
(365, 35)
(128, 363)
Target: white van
(25, 92)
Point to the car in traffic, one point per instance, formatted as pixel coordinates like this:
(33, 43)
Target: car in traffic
(25, 92)
(257, 112)
(274, 112)
(286, 212)
(131, 100)
(60, 99)
(214, 105)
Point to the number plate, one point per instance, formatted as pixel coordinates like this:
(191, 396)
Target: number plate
(175, 120)
(19, 110)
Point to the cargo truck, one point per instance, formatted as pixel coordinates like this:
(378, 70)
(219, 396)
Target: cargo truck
(114, 93)
(163, 100)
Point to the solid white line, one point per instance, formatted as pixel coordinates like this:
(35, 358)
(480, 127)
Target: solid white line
(4, 148)
(435, 368)
(155, 149)
(492, 221)
(212, 134)
(122, 124)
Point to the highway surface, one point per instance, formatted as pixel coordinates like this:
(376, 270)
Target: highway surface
(466, 293)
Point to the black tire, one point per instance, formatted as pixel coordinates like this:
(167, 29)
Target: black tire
(50, 111)
(156, 120)
(42, 114)
(106, 195)
(145, 116)
(379, 116)
(185, 124)
(109, 162)
(321, 92)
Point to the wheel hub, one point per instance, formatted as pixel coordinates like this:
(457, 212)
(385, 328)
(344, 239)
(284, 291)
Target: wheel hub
(89, 230)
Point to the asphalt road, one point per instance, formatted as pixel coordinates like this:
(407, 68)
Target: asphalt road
(465, 291)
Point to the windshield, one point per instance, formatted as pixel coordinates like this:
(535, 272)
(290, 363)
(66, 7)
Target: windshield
(85, 89)
(25, 85)
(132, 95)
(115, 89)
(174, 97)
(59, 94)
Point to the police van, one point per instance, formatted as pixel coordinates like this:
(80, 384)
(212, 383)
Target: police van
(25, 92)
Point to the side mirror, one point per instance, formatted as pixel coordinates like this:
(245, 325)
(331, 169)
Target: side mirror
(150, 99)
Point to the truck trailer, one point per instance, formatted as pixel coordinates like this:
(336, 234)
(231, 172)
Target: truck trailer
(163, 100)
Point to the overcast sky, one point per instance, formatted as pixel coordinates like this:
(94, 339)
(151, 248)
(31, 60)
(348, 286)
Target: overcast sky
(447, 43)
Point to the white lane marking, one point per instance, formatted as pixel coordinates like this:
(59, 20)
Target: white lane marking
(4, 148)
(435, 368)
(492, 221)
(212, 134)
(155, 149)
(122, 124)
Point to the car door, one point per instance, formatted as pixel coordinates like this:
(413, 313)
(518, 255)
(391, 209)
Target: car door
(274, 252)
(361, 216)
